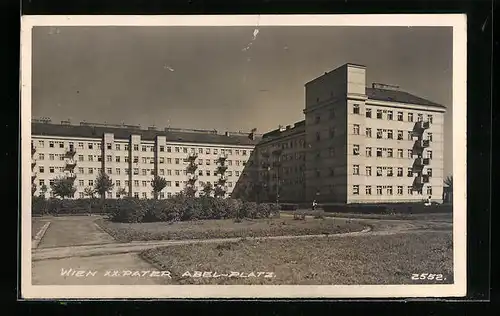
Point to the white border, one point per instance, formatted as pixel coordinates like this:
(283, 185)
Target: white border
(458, 289)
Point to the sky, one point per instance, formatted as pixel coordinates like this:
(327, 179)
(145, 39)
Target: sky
(224, 78)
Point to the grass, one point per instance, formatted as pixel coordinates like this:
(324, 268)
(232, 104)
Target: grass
(125, 232)
(36, 226)
(390, 259)
(427, 216)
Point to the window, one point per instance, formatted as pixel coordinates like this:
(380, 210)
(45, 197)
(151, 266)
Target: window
(136, 183)
(379, 152)
(332, 113)
(400, 190)
(400, 171)
(368, 113)
(389, 190)
(429, 172)
(91, 170)
(410, 117)
(144, 195)
(400, 153)
(91, 158)
(162, 159)
(51, 157)
(379, 133)
(136, 195)
(117, 170)
(144, 183)
(368, 190)
(40, 143)
(379, 114)
(126, 159)
(368, 151)
(420, 117)
(400, 135)
(184, 150)
(207, 162)
(379, 190)
(117, 146)
(389, 115)
(144, 159)
(429, 154)
(410, 153)
(331, 132)
(318, 136)
(410, 172)
(355, 189)
(81, 183)
(80, 170)
(355, 108)
(91, 146)
(389, 134)
(400, 116)
(355, 170)
(162, 148)
(126, 147)
(237, 173)
(177, 183)
(355, 150)
(41, 156)
(143, 148)
(99, 158)
(51, 144)
(356, 129)
(389, 152)
(144, 172)
(429, 137)
(136, 147)
(368, 132)
(117, 158)
(429, 190)
(429, 118)
(109, 170)
(379, 171)
(41, 182)
(368, 170)
(136, 171)
(410, 191)
(91, 182)
(169, 160)
(389, 172)
(109, 158)
(51, 169)
(410, 135)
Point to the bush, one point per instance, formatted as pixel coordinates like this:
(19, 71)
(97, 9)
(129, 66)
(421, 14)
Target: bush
(129, 210)
(263, 210)
(248, 210)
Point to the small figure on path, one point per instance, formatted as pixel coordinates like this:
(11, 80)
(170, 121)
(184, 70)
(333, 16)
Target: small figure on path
(314, 205)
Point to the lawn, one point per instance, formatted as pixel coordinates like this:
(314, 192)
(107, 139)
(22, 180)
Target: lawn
(36, 225)
(228, 228)
(349, 260)
(445, 217)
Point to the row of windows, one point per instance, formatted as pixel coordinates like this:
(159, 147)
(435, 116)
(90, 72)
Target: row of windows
(389, 171)
(389, 152)
(145, 148)
(138, 183)
(145, 160)
(144, 172)
(389, 133)
(389, 190)
(389, 114)
(109, 195)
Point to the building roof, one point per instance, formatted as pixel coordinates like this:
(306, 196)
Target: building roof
(49, 129)
(398, 96)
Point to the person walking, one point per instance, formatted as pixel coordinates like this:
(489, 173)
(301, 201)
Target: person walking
(314, 205)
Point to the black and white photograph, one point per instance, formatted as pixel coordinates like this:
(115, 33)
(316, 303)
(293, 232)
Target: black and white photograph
(243, 156)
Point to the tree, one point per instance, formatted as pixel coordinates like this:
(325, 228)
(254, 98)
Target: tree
(103, 185)
(89, 192)
(121, 192)
(63, 187)
(448, 181)
(43, 190)
(207, 189)
(219, 192)
(158, 183)
(190, 191)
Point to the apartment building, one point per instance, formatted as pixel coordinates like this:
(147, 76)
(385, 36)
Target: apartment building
(132, 156)
(358, 144)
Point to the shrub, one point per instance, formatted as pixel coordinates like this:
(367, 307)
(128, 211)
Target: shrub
(248, 210)
(263, 210)
(129, 210)
(298, 215)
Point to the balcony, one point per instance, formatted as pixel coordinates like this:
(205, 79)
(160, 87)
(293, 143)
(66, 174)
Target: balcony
(426, 143)
(426, 161)
(192, 156)
(33, 150)
(33, 177)
(425, 178)
(70, 152)
(221, 169)
(70, 165)
(33, 164)
(222, 158)
(421, 126)
(191, 168)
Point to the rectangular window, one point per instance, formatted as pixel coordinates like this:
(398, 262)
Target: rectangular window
(379, 171)
(389, 152)
(389, 134)
(91, 170)
(410, 191)
(420, 117)
(379, 133)
(368, 151)
(379, 114)
(429, 154)
(400, 116)
(51, 156)
(429, 191)
(126, 159)
(144, 172)
(400, 171)
(400, 135)
(429, 137)
(410, 153)
(355, 109)
(356, 129)
(143, 148)
(410, 135)
(109, 158)
(162, 148)
(80, 170)
(117, 146)
(429, 172)
(368, 170)
(368, 113)
(379, 152)
(109, 171)
(429, 118)
(410, 172)
(51, 169)
(162, 159)
(410, 117)
(126, 147)
(379, 190)
(144, 195)
(400, 153)
(81, 183)
(389, 172)
(400, 190)
(136, 183)
(136, 195)
(389, 115)
(355, 170)
(136, 147)
(368, 190)
(136, 171)
(389, 190)
(355, 189)
(41, 156)
(117, 170)
(117, 158)
(368, 132)
(355, 150)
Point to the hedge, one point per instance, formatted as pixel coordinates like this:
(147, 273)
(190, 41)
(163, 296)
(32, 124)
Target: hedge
(396, 208)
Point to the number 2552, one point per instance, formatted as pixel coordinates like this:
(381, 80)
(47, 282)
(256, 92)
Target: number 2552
(427, 276)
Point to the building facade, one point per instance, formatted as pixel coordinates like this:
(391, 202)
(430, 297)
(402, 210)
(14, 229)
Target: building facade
(132, 157)
(357, 144)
